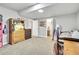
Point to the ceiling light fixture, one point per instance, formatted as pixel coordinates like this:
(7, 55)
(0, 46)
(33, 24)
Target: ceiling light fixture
(40, 10)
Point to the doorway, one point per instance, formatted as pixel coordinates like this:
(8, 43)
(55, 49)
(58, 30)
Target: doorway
(49, 27)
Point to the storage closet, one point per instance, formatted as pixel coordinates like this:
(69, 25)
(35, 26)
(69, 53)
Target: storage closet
(16, 30)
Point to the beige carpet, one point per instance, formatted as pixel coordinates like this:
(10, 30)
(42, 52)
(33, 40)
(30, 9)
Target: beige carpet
(33, 46)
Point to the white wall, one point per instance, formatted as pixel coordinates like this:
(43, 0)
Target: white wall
(77, 21)
(28, 23)
(6, 15)
(68, 22)
(35, 28)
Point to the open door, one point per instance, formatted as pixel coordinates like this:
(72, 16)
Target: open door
(42, 28)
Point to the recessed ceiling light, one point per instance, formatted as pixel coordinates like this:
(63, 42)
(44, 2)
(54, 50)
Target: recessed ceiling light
(41, 11)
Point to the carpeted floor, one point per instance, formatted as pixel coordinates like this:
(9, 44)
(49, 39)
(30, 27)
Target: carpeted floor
(33, 46)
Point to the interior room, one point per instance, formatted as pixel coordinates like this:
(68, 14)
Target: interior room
(39, 28)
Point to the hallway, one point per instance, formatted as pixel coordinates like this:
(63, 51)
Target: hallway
(33, 46)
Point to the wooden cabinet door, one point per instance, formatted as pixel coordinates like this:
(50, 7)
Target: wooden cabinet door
(18, 36)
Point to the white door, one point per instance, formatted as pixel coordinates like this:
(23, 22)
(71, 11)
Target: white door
(42, 31)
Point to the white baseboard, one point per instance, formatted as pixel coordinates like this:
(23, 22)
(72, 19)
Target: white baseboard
(42, 36)
(4, 43)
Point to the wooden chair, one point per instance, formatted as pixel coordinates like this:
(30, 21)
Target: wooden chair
(60, 43)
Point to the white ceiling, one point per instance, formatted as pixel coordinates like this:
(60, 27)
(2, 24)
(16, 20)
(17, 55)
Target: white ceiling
(17, 6)
(54, 9)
